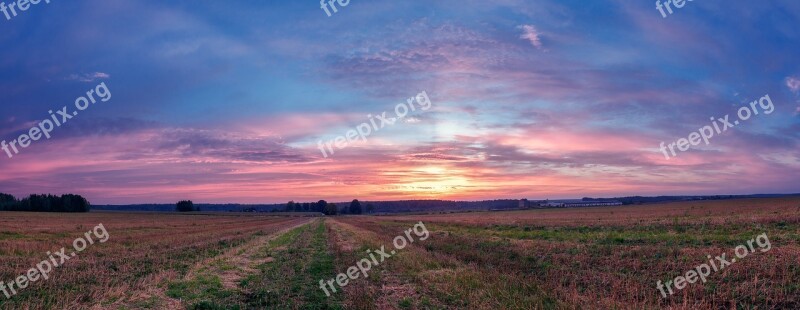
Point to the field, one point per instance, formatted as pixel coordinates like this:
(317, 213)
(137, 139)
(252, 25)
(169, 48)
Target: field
(587, 258)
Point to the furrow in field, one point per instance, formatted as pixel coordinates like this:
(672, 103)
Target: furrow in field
(230, 266)
(444, 281)
(622, 271)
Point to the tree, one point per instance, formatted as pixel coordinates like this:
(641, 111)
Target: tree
(73, 203)
(355, 207)
(321, 206)
(331, 209)
(7, 202)
(45, 203)
(6, 198)
(290, 206)
(370, 208)
(306, 207)
(185, 206)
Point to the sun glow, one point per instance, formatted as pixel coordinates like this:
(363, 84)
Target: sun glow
(435, 180)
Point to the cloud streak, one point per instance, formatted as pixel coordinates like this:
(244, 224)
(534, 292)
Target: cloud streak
(530, 33)
(226, 103)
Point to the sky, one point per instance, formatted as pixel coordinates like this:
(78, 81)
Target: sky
(229, 101)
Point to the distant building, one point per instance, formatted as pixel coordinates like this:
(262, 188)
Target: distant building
(594, 204)
(578, 203)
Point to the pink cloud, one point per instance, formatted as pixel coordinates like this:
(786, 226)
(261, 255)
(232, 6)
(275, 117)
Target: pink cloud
(88, 77)
(207, 166)
(530, 33)
(299, 125)
(793, 83)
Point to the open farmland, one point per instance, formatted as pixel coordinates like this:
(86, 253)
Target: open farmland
(605, 258)
(144, 252)
(588, 258)
(511, 154)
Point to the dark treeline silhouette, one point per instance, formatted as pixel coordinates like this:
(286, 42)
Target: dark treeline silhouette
(440, 205)
(401, 206)
(321, 206)
(45, 203)
(186, 206)
(355, 207)
(326, 208)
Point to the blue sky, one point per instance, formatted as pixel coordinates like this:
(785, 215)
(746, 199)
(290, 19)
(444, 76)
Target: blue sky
(225, 101)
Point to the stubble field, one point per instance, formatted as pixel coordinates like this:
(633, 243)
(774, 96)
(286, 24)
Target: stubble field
(587, 258)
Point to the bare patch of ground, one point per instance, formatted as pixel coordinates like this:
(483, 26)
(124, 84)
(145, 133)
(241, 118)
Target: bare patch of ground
(230, 267)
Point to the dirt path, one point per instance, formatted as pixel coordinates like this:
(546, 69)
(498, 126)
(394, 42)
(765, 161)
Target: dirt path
(231, 266)
(240, 261)
(391, 289)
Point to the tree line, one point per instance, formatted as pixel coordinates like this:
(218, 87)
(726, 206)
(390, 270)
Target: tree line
(45, 203)
(323, 206)
(186, 206)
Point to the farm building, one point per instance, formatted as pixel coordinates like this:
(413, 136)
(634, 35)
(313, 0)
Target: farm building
(578, 203)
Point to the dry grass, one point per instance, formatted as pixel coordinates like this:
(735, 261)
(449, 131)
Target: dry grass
(589, 258)
(143, 250)
(710, 211)
(417, 278)
(606, 258)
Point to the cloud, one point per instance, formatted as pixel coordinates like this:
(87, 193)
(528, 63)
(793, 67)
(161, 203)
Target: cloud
(88, 77)
(583, 120)
(200, 144)
(793, 83)
(530, 33)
